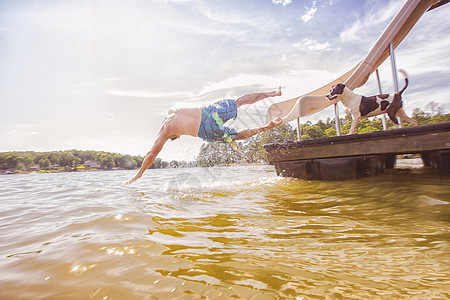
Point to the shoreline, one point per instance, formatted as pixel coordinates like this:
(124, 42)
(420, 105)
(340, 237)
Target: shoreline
(7, 172)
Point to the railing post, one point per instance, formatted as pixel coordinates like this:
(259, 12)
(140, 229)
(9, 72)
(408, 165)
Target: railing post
(337, 120)
(299, 130)
(383, 117)
(394, 74)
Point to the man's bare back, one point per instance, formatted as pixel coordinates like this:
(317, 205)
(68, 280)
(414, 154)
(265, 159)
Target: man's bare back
(183, 121)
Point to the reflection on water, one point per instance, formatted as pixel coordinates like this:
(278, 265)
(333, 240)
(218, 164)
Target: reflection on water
(236, 232)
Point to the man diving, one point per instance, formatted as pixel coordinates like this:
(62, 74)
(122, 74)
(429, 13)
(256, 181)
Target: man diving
(207, 123)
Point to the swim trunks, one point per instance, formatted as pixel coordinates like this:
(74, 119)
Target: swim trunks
(214, 117)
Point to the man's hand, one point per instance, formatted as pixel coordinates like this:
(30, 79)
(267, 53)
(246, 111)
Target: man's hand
(275, 122)
(136, 177)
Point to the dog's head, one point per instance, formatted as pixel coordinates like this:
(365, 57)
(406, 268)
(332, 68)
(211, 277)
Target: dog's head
(336, 91)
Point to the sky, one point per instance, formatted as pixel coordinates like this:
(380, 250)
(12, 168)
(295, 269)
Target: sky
(102, 74)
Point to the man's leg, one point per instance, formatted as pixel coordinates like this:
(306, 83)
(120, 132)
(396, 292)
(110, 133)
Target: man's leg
(255, 97)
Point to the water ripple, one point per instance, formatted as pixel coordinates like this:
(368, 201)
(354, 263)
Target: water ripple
(236, 232)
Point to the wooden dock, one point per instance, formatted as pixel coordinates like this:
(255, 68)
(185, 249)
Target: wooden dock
(361, 155)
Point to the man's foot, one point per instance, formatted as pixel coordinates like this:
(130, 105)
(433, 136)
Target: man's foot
(277, 92)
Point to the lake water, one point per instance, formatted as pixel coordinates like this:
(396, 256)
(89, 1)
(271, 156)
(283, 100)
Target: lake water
(224, 233)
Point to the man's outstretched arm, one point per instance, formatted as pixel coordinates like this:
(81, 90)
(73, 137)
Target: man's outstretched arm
(151, 155)
(246, 133)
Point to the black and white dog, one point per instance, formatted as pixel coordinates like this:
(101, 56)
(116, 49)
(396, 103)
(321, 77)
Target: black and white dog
(358, 106)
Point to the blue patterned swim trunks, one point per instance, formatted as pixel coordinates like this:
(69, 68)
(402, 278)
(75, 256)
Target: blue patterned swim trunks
(214, 117)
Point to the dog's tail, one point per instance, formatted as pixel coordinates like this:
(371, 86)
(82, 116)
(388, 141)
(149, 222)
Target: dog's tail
(405, 75)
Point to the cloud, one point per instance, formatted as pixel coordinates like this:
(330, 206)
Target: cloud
(311, 45)
(309, 13)
(282, 2)
(365, 26)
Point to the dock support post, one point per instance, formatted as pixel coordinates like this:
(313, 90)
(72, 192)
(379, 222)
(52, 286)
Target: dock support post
(383, 117)
(337, 120)
(394, 74)
(299, 130)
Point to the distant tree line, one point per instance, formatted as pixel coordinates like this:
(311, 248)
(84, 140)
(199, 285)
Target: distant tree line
(211, 154)
(74, 160)
(69, 160)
